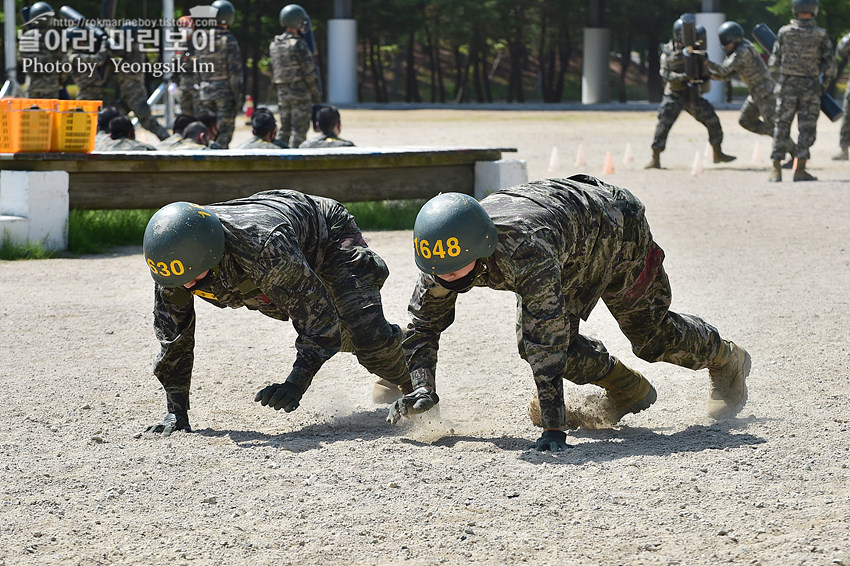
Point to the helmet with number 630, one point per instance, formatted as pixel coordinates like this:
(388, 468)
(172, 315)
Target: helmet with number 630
(182, 240)
(451, 231)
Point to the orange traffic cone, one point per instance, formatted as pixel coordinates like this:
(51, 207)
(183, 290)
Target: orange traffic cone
(697, 168)
(608, 168)
(628, 156)
(580, 162)
(757, 156)
(554, 162)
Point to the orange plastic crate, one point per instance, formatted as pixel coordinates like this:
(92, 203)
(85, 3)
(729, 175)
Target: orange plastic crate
(25, 124)
(74, 125)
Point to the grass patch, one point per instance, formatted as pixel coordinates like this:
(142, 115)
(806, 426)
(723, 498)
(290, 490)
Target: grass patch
(10, 250)
(95, 231)
(385, 215)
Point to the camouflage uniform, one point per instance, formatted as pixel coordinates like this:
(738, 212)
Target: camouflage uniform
(127, 144)
(103, 141)
(326, 141)
(169, 143)
(288, 256)
(134, 94)
(90, 87)
(294, 76)
(843, 52)
(761, 100)
(258, 143)
(562, 245)
(801, 54)
(43, 85)
(221, 88)
(187, 90)
(184, 144)
(676, 99)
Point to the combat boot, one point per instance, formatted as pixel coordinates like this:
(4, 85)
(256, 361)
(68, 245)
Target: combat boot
(800, 173)
(720, 157)
(841, 155)
(627, 391)
(776, 175)
(728, 373)
(655, 162)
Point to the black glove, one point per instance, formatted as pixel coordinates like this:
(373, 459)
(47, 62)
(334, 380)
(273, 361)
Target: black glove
(171, 422)
(554, 440)
(419, 401)
(280, 396)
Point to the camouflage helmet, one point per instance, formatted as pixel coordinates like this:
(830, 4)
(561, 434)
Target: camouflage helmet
(40, 14)
(730, 32)
(293, 16)
(226, 12)
(798, 6)
(182, 240)
(451, 231)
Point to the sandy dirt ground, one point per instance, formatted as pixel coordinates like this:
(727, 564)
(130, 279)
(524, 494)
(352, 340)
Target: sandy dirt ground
(332, 483)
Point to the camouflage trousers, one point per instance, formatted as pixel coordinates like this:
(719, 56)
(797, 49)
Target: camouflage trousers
(670, 108)
(758, 116)
(188, 96)
(294, 117)
(638, 297)
(798, 96)
(354, 275)
(43, 88)
(844, 134)
(135, 99)
(217, 97)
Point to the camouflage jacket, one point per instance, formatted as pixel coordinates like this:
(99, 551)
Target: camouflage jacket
(325, 141)
(102, 141)
(747, 62)
(87, 79)
(169, 142)
(293, 66)
(559, 241)
(842, 51)
(221, 61)
(802, 49)
(127, 144)
(43, 85)
(275, 242)
(258, 143)
(672, 68)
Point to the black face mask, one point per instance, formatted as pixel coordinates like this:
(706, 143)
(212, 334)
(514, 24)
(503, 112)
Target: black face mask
(466, 282)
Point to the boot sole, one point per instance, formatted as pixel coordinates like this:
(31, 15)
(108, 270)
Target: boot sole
(644, 403)
(730, 411)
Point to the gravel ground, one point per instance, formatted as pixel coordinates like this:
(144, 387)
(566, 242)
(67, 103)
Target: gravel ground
(332, 483)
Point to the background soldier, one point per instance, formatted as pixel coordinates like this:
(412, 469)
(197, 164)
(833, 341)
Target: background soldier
(561, 245)
(188, 95)
(294, 76)
(802, 54)
(676, 98)
(220, 72)
(123, 135)
(758, 113)
(842, 52)
(40, 22)
(285, 254)
(102, 140)
(263, 128)
(329, 123)
(89, 68)
(131, 86)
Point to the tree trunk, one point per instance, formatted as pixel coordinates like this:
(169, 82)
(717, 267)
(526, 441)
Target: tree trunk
(653, 79)
(412, 84)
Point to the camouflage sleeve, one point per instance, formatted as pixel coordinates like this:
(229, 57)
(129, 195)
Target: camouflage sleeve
(843, 49)
(283, 274)
(308, 71)
(775, 59)
(174, 324)
(725, 70)
(544, 326)
(827, 61)
(432, 310)
(234, 68)
(666, 71)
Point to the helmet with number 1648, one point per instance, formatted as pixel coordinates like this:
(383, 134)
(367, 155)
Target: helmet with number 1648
(451, 231)
(182, 240)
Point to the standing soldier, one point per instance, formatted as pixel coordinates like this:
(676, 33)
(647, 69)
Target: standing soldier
(289, 256)
(758, 113)
(188, 95)
(803, 57)
(220, 71)
(89, 67)
(561, 245)
(294, 75)
(40, 22)
(843, 53)
(676, 98)
(131, 85)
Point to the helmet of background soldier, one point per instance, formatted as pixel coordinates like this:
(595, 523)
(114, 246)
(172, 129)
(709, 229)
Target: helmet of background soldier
(677, 30)
(730, 32)
(451, 231)
(798, 6)
(40, 14)
(182, 240)
(702, 37)
(293, 16)
(226, 12)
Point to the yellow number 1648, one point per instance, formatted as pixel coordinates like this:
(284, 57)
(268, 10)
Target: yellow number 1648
(426, 250)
